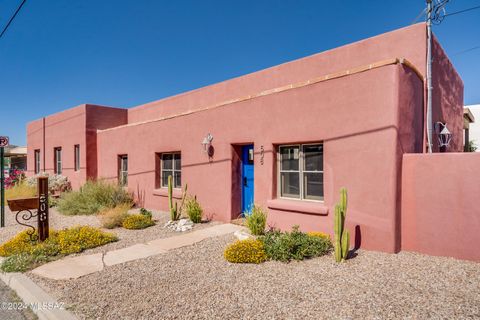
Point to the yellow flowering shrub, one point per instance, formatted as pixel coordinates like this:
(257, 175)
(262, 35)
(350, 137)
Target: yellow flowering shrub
(65, 241)
(245, 251)
(21, 243)
(137, 221)
(319, 234)
(79, 238)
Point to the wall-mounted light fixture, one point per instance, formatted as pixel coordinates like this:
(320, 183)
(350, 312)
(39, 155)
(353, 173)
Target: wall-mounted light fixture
(207, 143)
(444, 135)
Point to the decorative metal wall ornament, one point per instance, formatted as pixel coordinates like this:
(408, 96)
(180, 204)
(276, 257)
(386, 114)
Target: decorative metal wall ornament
(207, 142)
(444, 135)
(27, 215)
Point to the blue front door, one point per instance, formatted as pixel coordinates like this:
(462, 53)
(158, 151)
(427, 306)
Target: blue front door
(247, 178)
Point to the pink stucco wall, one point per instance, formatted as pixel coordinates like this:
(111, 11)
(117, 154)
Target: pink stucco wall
(358, 129)
(366, 120)
(440, 215)
(409, 42)
(66, 129)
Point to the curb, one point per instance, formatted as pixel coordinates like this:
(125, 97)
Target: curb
(32, 295)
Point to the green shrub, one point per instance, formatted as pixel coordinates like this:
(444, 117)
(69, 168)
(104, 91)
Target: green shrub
(93, 197)
(294, 245)
(24, 254)
(137, 221)
(23, 262)
(194, 210)
(245, 251)
(112, 218)
(256, 220)
(146, 212)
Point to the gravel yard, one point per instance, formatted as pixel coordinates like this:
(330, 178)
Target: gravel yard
(126, 237)
(197, 283)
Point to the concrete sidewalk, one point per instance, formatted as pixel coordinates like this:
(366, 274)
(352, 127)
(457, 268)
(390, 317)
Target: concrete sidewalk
(75, 267)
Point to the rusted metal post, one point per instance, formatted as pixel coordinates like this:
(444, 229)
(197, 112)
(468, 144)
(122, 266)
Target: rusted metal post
(42, 208)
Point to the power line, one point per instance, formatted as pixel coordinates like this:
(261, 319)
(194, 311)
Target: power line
(465, 51)
(461, 11)
(11, 19)
(419, 15)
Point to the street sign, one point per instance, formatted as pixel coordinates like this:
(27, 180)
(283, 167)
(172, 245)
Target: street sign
(3, 141)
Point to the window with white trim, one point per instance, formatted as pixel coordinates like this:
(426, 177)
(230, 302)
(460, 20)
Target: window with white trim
(171, 165)
(301, 171)
(123, 170)
(77, 157)
(37, 161)
(57, 157)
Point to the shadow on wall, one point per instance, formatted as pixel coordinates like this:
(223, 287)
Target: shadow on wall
(447, 98)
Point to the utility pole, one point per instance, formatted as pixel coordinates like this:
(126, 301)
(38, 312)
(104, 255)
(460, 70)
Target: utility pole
(3, 144)
(429, 76)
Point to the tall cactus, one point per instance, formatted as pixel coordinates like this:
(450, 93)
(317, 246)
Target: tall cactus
(342, 237)
(175, 212)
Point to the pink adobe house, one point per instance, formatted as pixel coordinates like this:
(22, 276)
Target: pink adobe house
(286, 138)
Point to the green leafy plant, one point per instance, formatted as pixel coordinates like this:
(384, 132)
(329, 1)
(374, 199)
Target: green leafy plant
(175, 211)
(342, 236)
(193, 209)
(245, 251)
(23, 262)
(93, 197)
(256, 220)
(114, 217)
(24, 254)
(146, 212)
(294, 245)
(472, 146)
(137, 221)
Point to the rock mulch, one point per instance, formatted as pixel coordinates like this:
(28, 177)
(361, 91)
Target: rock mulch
(181, 225)
(126, 237)
(196, 282)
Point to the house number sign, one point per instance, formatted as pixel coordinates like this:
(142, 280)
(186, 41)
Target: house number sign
(42, 208)
(262, 155)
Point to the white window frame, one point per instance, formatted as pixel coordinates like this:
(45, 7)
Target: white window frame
(301, 171)
(57, 160)
(173, 170)
(36, 167)
(122, 171)
(76, 156)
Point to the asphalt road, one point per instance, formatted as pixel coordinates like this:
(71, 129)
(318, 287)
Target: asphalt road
(11, 307)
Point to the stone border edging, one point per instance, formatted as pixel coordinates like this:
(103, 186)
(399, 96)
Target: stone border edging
(32, 295)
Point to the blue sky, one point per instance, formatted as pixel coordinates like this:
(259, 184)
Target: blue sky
(58, 54)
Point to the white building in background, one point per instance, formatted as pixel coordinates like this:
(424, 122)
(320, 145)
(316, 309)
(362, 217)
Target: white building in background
(474, 130)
